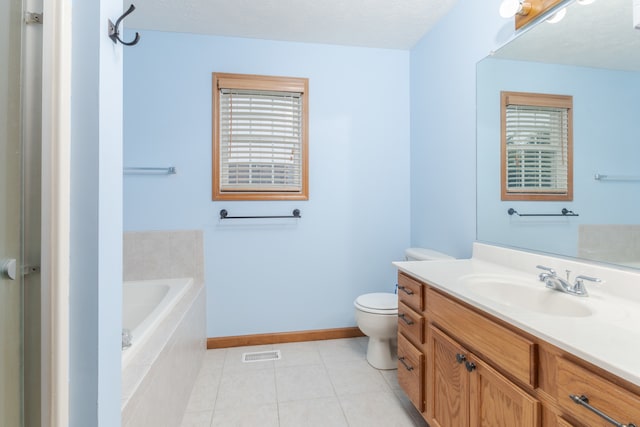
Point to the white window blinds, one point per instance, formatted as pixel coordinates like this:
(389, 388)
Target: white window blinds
(536, 149)
(261, 140)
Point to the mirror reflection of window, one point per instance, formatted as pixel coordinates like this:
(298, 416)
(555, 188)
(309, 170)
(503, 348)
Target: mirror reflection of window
(536, 153)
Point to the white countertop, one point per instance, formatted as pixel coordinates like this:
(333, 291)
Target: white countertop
(608, 338)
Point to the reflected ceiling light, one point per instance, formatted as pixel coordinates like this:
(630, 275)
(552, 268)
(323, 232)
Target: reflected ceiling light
(585, 2)
(510, 8)
(558, 16)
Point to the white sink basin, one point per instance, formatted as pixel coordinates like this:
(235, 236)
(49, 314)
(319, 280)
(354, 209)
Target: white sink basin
(529, 295)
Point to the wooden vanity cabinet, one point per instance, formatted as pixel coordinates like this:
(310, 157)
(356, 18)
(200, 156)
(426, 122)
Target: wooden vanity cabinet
(463, 367)
(463, 390)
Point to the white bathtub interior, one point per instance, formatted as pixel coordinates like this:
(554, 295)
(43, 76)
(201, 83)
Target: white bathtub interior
(145, 303)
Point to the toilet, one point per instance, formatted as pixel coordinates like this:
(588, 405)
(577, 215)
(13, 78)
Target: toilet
(377, 316)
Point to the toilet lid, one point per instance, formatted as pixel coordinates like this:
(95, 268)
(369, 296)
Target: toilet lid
(378, 302)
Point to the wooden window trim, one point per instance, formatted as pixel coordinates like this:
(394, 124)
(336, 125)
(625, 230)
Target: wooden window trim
(541, 100)
(259, 82)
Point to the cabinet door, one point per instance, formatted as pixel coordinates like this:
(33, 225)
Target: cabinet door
(494, 401)
(447, 383)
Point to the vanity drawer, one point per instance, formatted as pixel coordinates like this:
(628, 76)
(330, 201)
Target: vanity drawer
(410, 292)
(561, 422)
(501, 347)
(410, 371)
(613, 400)
(410, 323)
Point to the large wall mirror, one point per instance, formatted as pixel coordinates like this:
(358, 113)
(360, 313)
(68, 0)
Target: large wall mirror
(593, 55)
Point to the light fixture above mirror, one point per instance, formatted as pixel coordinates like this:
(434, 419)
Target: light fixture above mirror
(528, 11)
(511, 8)
(558, 16)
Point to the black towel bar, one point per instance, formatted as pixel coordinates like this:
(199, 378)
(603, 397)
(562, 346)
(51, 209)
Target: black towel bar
(564, 212)
(225, 215)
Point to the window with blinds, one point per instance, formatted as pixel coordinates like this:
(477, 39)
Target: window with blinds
(260, 138)
(536, 147)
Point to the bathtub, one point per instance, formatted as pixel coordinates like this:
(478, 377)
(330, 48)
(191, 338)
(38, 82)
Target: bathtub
(166, 318)
(145, 303)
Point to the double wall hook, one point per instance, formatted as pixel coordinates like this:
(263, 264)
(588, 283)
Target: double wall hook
(114, 32)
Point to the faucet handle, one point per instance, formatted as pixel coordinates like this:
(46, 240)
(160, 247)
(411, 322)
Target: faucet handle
(591, 279)
(579, 287)
(550, 272)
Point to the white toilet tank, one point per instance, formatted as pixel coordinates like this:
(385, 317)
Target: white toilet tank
(424, 254)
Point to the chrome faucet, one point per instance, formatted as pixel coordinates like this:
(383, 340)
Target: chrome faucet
(553, 281)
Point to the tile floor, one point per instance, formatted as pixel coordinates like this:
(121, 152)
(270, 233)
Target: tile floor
(317, 383)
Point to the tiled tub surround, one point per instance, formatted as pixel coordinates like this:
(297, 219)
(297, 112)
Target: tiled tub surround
(614, 243)
(157, 380)
(163, 255)
(608, 338)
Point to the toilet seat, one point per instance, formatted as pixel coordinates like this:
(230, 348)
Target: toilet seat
(378, 303)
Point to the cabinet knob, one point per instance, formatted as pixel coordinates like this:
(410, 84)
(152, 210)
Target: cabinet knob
(460, 358)
(470, 366)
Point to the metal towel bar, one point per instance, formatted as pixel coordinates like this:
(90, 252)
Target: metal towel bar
(171, 170)
(603, 177)
(225, 215)
(563, 212)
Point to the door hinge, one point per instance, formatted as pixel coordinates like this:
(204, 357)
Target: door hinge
(33, 18)
(30, 269)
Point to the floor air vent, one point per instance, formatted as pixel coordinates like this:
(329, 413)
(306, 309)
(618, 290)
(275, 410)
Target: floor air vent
(261, 356)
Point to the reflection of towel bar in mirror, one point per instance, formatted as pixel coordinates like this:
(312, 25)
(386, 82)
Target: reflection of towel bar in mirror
(603, 177)
(225, 215)
(563, 212)
(171, 170)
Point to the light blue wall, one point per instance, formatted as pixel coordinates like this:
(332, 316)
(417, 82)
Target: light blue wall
(443, 124)
(96, 218)
(605, 111)
(267, 276)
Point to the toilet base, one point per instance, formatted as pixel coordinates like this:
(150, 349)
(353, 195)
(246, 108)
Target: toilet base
(382, 353)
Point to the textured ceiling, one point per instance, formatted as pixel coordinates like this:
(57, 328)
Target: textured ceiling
(393, 24)
(599, 35)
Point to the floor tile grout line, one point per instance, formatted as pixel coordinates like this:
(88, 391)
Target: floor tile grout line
(335, 392)
(275, 385)
(215, 403)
